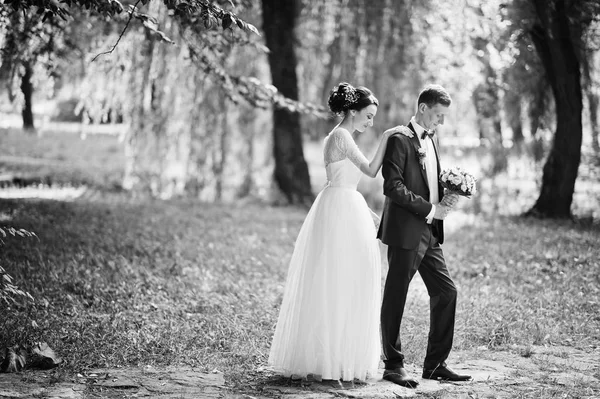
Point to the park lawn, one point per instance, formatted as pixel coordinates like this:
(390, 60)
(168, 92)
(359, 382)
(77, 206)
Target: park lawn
(119, 282)
(63, 158)
(124, 281)
(148, 283)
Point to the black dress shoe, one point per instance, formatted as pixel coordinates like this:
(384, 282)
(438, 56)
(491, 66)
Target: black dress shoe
(445, 374)
(400, 377)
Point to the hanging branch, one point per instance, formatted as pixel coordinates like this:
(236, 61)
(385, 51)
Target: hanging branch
(251, 89)
(191, 13)
(131, 13)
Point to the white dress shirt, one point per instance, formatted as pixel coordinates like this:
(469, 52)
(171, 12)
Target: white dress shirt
(430, 167)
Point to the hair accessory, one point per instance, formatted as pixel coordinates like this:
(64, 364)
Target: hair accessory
(351, 97)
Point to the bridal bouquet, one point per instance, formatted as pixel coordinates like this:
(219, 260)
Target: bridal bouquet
(458, 181)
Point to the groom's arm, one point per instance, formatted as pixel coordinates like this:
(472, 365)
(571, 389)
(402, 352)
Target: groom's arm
(393, 171)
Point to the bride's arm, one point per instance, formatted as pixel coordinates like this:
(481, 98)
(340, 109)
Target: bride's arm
(371, 168)
(377, 160)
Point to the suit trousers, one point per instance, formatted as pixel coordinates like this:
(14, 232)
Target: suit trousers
(428, 260)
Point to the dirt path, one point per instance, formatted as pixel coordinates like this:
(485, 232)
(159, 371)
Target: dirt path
(544, 372)
(537, 372)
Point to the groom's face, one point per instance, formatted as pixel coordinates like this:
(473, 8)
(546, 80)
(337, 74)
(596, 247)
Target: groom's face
(433, 116)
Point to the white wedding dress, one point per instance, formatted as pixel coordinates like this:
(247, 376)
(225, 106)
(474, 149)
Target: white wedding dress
(328, 324)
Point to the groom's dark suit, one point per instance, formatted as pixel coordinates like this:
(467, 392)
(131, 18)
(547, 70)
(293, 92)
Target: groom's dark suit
(413, 245)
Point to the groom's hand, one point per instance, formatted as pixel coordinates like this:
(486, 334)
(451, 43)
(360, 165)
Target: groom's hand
(441, 211)
(450, 200)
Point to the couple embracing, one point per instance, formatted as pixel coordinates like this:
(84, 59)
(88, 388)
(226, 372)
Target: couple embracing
(332, 311)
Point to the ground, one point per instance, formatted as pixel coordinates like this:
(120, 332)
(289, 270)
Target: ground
(178, 298)
(546, 372)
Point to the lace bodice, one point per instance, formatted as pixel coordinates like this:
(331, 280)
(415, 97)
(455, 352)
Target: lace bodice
(339, 147)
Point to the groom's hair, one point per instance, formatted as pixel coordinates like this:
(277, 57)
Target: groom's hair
(434, 94)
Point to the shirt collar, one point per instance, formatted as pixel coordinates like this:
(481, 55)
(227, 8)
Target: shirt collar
(418, 128)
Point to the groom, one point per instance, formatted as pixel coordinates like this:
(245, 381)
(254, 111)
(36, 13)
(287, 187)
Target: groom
(412, 227)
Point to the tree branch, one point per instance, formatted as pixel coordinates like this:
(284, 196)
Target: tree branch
(250, 89)
(131, 12)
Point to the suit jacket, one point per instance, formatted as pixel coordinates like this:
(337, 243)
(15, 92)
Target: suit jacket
(406, 193)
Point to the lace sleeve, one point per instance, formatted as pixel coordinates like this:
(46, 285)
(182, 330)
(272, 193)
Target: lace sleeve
(348, 146)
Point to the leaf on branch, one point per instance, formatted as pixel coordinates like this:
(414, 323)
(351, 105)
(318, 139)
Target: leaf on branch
(151, 24)
(118, 7)
(252, 28)
(251, 89)
(146, 19)
(210, 22)
(208, 11)
(227, 20)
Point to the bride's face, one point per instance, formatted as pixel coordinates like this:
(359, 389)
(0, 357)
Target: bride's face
(363, 119)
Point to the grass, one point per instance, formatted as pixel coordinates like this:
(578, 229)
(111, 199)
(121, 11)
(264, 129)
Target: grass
(521, 282)
(122, 282)
(153, 283)
(181, 282)
(59, 158)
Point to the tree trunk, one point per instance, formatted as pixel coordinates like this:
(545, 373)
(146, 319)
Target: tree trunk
(220, 149)
(594, 101)
(136, 176)
(517, 129)
(158, 145)
(514, 109)
(553, 40)
(27, 89)
(589, 88)
(291, 171)
(247, 118)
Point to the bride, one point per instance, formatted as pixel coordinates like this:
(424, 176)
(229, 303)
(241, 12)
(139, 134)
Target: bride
(328, 324)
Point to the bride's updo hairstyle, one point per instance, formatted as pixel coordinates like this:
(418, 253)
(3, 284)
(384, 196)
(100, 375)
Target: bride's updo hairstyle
(345, 97)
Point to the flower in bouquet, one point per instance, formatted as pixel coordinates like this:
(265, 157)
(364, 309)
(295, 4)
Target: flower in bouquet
(459, 181)
(422, 155)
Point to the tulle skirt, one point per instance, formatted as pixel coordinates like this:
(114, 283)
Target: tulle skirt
(328, 324)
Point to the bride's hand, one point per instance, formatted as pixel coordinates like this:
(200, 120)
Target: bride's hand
(376, 220)
(399, 129)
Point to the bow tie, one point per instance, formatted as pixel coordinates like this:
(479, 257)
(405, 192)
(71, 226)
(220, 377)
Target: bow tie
(426, 133)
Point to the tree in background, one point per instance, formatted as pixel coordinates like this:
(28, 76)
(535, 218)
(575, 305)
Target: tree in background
(291, 171)
(557, 29)
(161, 114)
(370, 43)
(487, 95)
(29, 44)
(173, 80)
(591, 85)
(527, 95)
(189, 104)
